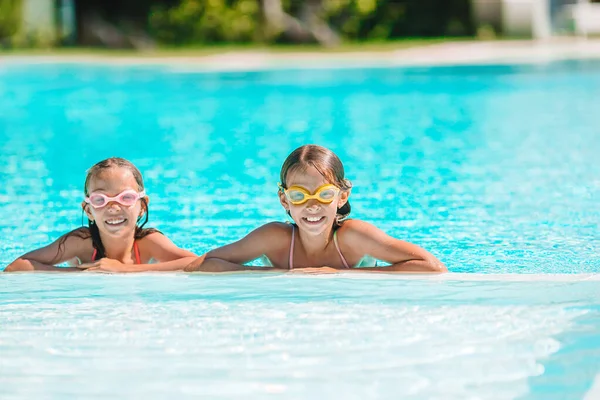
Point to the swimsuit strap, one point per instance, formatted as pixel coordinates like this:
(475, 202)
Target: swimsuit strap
(291, 261)
(337, 247)
(136, 250)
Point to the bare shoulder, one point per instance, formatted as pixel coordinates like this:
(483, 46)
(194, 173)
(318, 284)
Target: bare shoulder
(276, 226)
(270, 239)
(82, 233)
(277, 237)
(158, 247)
(77, 243)
(356, 230)
(79, 238)
(153, 244)
(153, 239)
(356, 237)
(274, 231)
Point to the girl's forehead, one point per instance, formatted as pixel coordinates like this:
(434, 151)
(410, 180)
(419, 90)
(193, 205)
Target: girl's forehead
(113, 179)
(309, 178)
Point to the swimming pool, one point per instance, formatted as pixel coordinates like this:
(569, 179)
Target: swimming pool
(492, 168)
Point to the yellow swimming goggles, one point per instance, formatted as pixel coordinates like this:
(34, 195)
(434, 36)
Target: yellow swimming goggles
(299, 195)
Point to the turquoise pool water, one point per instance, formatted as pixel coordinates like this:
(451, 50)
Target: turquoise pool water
(295, 337)
(492, 168)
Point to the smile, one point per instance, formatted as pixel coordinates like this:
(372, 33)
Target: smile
(115, 221)
(313, 220)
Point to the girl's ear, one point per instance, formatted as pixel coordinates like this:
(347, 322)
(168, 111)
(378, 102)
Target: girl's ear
(343, 198)
(86, 208)
(144, 208)
(284, 201)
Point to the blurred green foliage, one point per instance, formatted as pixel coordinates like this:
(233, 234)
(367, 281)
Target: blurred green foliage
(10, 18)
(201, 22)
(389, 19)
(206, 21)
(185, 22)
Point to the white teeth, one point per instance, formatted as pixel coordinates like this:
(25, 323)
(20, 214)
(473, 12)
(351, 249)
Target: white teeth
(115, 221)
(313, 219)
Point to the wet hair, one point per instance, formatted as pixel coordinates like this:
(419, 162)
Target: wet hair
(326, 162)
(92, 230)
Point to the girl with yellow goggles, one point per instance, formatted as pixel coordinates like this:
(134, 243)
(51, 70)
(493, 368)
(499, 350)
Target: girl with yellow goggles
(321, 239)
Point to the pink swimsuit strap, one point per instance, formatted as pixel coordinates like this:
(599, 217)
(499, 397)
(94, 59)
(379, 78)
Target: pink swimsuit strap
(337, 247)
(335, 242)
(135, 249)
(291, 261)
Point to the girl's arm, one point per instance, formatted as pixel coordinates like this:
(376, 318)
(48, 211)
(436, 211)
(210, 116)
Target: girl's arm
(63, 249)
(212, 265)
(261, 241)
(169, 257)
(365, 239)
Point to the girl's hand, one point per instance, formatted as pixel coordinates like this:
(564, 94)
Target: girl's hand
(314, 270)
(194, 265)
(105, 265)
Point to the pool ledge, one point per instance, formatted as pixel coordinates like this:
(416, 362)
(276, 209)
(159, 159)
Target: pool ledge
(448, 53)
(455, 276)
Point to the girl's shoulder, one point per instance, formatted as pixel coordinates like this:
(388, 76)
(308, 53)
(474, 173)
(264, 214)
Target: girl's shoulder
(149, 235)
(274, 232)
(275, 239)
(76, 244)
(356, 228)
(357, 233)
(276, 227)
(356, 240)
(150, 239)
(81, 233)
(153, 246)
(78, 237)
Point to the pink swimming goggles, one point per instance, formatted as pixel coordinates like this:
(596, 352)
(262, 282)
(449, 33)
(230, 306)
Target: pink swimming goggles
(127, 198)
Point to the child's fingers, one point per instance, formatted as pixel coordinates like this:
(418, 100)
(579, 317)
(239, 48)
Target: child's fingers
(314, 270)
(89, 265)
(96, 270)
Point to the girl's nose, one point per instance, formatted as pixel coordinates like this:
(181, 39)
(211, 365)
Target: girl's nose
(313, 204)
(113, 206)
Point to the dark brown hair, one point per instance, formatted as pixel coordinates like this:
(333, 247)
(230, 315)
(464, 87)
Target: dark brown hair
(323, 160)
(92, 230)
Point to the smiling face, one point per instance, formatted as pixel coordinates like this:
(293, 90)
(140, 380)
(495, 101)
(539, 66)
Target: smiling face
(313, 217)
(114, 218)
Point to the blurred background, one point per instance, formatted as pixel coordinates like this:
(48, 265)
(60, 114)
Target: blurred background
(146, 24)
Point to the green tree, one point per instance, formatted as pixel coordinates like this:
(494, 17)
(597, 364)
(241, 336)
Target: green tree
(323, 21)
(10, 18)
(206, 21)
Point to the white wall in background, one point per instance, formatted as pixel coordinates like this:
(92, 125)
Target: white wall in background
(38, 17)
